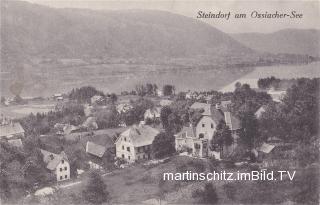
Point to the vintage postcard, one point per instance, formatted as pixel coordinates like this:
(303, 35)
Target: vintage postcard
(158, 102)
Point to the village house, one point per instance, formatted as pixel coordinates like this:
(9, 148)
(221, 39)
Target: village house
(276, 95)
(259, 112)
(165, 102)
(58, 97)
(97, 99)
(96, 152)
(152, 114)
(135, 143)
(58, 164)
(15, 142)
(10, 129)
(197, 137)
(123, 108)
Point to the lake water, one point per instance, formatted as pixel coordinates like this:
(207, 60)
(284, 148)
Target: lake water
(311, 70)
(121, 77)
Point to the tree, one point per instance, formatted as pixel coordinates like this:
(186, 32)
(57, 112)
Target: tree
(208, 195)
(174, 123)
(96, 190)
(168, 90)
(84, 94)
(249, 131)
(107, 118)
(136, 114)
(164, 116)
(113, 98)
(163, 145)
(141, 90)
(5, 192)
(222, 136)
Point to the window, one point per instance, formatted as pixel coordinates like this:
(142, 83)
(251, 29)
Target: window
(201, 135)
(122, 156)
(60, 177)
(65, 168)
(122, 147)
(144, 156)
(60, 169)
(129, 157)
(125, 139)
(138, 157)
(203, 125)
(211, 125)
(128, 149)
(62, 161)
(138, 149)
(65, 176)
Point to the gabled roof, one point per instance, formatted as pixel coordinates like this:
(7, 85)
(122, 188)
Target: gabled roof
(189, 132)
(140, 135)
(11, 129)
(95, 149)
(52, 160)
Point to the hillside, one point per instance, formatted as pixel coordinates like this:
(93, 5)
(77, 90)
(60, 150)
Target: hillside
(293, 41)
(39, 31)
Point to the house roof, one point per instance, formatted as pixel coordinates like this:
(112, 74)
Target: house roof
(165, 102)
(140, 135)
(52, 160)
(70, 128)
(11, 129)
(95, 149)
(190, 132)
(266, 148)
(261, 110)
(217, 115)
(15, 142)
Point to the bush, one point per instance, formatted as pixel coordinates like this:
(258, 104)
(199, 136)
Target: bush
(206, 196)
(96, 190)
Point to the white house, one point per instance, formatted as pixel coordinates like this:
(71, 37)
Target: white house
(199, 136)
(276, 95)
(134, 144)
(152, 114)
(123, 108)
(58, 164)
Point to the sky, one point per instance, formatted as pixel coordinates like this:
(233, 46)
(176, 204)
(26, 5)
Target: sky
(309, 9)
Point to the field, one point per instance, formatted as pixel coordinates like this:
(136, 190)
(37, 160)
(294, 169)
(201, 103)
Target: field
(18, 111)
(139, 183)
